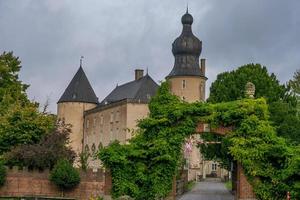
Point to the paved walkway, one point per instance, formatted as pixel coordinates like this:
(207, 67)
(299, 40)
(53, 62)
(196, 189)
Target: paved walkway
(208, 191)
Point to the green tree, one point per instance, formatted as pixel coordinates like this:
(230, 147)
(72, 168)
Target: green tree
(12, 90)
(230, 86)
(64, 175)
(294, 84)
(21, 122)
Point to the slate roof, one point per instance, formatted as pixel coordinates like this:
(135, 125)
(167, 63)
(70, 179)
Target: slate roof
(79, 90)
(186, 50)
(140, 90)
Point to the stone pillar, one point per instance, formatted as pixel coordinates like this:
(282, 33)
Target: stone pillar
(244, 189)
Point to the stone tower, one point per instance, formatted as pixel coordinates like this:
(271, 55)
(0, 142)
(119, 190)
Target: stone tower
(77, 98)
(187, 81)
(187, 78)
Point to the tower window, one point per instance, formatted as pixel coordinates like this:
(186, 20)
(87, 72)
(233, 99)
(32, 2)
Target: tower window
(183, 84)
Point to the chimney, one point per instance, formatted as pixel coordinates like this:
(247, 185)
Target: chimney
(139, 73)
(203, 66)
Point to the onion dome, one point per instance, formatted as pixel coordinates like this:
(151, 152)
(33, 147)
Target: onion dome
(186, 50)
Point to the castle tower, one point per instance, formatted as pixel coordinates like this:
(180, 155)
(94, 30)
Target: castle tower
(187, 81)
(187, 78)
(77, 98)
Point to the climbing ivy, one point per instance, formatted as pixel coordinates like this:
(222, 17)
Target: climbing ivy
(144, 168)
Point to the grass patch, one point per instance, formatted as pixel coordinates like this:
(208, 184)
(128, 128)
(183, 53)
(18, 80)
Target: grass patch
(228, 185)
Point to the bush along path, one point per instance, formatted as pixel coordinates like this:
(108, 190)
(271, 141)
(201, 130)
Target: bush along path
(144, 168)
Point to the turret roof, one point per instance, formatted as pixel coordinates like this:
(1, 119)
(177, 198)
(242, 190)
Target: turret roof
(186, 49)
(79, 90)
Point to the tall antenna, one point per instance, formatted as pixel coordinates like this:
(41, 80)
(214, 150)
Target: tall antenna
(81, 58)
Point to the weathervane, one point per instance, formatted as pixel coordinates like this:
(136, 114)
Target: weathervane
(81, 58)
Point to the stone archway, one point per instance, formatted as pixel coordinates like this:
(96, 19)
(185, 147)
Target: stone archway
(242, 188)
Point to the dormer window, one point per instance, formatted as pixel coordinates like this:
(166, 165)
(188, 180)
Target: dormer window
(74, 96)
(183, 84)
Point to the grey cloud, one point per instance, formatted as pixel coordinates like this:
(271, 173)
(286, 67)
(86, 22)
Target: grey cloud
(118, 36)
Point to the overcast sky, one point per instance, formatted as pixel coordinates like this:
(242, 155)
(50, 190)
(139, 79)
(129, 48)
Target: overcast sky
(117, 36)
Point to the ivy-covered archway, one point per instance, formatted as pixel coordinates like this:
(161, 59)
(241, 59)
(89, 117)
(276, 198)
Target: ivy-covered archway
(144, 169)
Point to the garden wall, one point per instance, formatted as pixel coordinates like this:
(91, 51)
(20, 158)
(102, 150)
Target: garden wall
(36, 183)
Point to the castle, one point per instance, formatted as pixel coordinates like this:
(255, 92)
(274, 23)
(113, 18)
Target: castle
(96, 124)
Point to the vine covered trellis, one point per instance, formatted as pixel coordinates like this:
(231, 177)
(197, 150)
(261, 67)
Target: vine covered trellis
(144, 168)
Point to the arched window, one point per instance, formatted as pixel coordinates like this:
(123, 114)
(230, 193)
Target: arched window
(100, 146)
(93, 148)
(86, 148)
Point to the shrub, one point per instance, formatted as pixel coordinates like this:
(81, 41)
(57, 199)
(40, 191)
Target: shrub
(45, 154)
(2, 173)
(64, 175)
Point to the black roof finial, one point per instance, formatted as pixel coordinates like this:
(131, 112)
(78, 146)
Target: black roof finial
(187, 7)
(81, 58)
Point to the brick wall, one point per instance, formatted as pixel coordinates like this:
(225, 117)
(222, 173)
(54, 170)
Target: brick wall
(244, 189)
(36, 183)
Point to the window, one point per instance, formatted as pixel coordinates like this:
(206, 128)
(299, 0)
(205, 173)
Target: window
(86, 148)
(148, 96)
(94, 123)
(214, 167)
(101, 119)
(183, 84)
(87, 123)
(93, 148)
(74, 96)
(117, 116)
(101, 136)
(111, 135)
(100, 146)
(111, 117)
